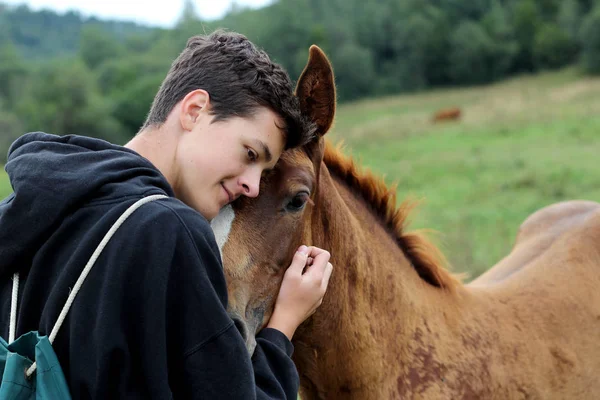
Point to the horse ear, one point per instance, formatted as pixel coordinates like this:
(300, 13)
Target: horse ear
(316, 90)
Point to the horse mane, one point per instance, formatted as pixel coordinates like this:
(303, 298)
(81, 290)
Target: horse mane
(425, 257)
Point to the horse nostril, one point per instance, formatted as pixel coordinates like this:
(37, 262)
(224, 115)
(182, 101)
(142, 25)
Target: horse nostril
(241, 327)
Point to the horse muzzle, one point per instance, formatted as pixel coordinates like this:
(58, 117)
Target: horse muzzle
(248, 331)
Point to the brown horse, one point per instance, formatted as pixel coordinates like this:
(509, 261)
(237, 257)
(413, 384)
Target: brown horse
(448, 114)
(395, 323)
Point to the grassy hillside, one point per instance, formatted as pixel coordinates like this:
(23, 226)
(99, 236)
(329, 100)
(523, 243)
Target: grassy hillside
(522, 144)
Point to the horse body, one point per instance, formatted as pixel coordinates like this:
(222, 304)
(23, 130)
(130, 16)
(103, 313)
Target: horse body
(537, 234)
(384, 332)
(395, 323)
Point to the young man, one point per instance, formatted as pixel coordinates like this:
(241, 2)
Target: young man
(150, 320)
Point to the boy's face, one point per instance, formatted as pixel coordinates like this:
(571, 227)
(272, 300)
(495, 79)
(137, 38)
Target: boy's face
(221, 161)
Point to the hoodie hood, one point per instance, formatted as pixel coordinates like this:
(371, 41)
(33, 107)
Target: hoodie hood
(53, 176)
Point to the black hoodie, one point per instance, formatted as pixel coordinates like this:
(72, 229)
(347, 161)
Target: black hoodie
(150, 320)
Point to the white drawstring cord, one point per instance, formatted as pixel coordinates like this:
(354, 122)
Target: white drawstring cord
(84, 273)
(13, 308)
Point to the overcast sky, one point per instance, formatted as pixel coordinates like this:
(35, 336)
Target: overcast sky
(149, 12)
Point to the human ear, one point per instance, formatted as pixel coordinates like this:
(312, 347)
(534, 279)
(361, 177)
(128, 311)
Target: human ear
(193, 106)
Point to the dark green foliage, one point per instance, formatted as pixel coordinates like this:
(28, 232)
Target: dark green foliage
(354, 72)
(471, 51)
(569, 18)
(553, 47)
(44, 34)
(13, 70)
(62, 98)
(527, 20)
(501, 31)
(68, 74)
(10, 129)
(97, 46)
(132, 105)
(590, 37)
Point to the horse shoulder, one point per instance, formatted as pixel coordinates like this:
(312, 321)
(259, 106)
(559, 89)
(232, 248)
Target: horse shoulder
(537, 234)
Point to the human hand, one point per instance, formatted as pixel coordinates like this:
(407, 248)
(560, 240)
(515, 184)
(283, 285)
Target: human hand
(302, 289)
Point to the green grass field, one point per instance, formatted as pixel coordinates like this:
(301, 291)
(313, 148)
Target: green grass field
(522, 144)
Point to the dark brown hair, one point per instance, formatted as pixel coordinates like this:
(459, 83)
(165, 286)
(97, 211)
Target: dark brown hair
(238, 77)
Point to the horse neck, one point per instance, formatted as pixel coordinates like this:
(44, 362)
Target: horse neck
(375, 305)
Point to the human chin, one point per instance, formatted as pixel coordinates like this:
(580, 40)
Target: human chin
(209, 214)
(209, 209)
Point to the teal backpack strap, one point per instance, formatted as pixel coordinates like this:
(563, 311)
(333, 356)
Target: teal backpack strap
(84, 273)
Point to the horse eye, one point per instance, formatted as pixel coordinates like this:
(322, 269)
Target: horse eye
(297, 203)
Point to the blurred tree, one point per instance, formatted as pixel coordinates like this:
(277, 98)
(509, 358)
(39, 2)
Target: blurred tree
(132, 105)
(548, 9)
(587, 5)
(421, 48)
(590, 39)
(460, 10)
(504, 45)
(62, 98)
(354, 71)
(569, 18)
(118, 75)
(377, 47)
(45, 34)
(526, 22)
(374, 30)
(435, 47)
(553, 47)
(12, 72)
(288, 34)
(98, 46)
(411, 51)
(471, 49)
(10, 129)
(140, 43)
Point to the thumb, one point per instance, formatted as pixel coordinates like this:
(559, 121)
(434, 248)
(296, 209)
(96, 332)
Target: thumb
(299, 261)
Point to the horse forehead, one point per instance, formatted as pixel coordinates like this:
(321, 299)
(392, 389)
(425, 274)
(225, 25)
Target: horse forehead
(296, 158)
(295, 163)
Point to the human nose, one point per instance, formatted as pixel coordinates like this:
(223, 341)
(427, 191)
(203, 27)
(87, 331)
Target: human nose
(250, 183)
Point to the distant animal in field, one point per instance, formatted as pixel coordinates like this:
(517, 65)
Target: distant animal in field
(447, 114)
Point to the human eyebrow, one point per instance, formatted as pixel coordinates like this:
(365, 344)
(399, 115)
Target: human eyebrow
(265, 149)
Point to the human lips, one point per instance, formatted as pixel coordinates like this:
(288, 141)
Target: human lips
(229, 195)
